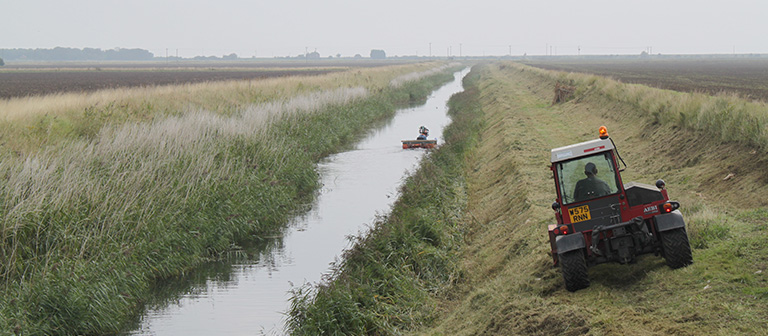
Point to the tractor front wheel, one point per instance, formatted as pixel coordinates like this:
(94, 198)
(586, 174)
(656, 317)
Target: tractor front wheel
(677, 249)
(574, 269)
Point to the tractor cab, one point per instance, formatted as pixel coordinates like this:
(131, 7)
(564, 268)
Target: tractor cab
(587, 182)
(601, 219)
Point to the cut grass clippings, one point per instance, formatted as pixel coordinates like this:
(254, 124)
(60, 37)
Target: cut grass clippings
(511, 286)
(497, 273)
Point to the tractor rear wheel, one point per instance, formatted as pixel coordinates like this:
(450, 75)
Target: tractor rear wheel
(677, 249)
(574, 269)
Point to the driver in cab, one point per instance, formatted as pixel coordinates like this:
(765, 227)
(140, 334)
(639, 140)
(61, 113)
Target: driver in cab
(591, 186)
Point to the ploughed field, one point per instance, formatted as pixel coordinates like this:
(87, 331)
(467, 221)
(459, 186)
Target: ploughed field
(746, 77)
(32, 79)
(34, 83)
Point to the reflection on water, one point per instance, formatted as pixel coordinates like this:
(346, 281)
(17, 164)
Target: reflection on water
(248, 294)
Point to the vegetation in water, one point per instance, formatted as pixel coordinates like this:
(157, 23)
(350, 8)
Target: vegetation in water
(91, 219)
(385, 282)
(496, 255)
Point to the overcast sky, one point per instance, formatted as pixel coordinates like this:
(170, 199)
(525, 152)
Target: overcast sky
(400, 27)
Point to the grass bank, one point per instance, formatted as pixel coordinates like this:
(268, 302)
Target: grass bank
(510, 286)
(725, 117)
(90, 222)
(494, 274)
(30, 123)
(386, 282)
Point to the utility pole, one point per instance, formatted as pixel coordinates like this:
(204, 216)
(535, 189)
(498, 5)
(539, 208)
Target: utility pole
(430, 49)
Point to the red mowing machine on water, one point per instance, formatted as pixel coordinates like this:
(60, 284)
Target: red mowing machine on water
(421, 141)
(600, 219)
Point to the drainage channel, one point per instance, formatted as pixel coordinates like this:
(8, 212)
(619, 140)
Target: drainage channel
(251, 297)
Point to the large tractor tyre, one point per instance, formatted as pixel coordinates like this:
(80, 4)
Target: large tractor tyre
(677, 249)
(574, 269)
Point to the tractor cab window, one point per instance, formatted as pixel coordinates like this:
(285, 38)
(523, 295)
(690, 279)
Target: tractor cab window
(587, 178)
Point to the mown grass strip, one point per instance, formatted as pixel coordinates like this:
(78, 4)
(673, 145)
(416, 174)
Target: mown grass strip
(510, 285)
(385, 282)
(89, 226)
(506, 282)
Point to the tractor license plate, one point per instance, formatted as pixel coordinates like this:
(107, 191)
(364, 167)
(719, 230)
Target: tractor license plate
(579, 214)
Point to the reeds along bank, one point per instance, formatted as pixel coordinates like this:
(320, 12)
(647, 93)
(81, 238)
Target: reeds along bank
(89, 221)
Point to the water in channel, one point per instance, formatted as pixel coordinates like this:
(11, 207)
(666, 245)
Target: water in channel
(251, 298)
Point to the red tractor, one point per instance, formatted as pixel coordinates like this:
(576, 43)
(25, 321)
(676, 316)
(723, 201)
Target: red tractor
(600, 219)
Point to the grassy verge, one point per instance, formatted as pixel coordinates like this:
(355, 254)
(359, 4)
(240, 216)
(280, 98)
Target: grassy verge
(724, 117)
(385, 282)
(90, 223)
(510, 285)
(494, 274)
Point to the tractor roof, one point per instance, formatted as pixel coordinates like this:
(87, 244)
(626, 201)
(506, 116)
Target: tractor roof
(581, 149)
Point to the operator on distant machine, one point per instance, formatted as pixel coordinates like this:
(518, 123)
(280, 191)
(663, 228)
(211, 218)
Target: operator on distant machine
(423, 133)
(591, 186)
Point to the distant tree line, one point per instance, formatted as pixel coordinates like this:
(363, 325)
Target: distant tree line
(231, 56)
(74, 54)
(375, 54)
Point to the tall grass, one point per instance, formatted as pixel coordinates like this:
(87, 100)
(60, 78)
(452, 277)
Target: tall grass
(127, 156)
(413, 76)
(727, 118)
(384, 283)
(88, 224)
(706, 226)
(29, 123)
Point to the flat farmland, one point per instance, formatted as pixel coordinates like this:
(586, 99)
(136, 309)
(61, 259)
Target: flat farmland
(746, 77)
(49, 78)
